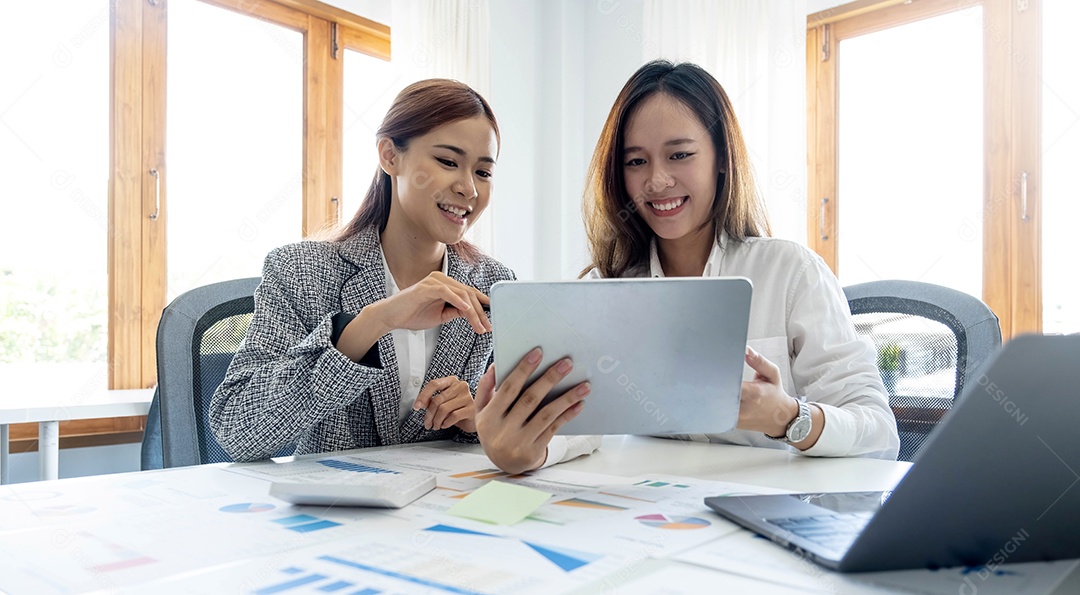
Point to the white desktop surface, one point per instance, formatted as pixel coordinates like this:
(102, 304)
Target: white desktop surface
(169, 532)
(47, 407)
(636, 455)
(39, 405)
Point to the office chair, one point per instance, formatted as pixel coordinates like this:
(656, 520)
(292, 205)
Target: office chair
(197, 337)
(930, 342)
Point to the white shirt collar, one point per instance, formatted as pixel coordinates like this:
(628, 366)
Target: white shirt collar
(712, 266)
(391, 283)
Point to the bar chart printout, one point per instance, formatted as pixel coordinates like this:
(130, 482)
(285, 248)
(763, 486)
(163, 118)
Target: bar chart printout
(372, 569)
(293, 579)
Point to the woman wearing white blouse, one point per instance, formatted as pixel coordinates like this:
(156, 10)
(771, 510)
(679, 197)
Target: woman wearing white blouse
(671, 193)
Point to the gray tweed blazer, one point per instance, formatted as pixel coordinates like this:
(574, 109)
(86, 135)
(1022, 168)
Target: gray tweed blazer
(288, 383)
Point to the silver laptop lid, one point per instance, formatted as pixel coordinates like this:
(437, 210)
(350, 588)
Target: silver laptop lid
(663, 356)
(997, 482)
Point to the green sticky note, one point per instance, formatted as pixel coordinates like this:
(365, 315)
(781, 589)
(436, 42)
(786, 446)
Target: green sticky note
(499, 503)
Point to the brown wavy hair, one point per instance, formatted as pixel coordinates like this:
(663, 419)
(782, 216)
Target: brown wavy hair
(618, 238)
(420, 108)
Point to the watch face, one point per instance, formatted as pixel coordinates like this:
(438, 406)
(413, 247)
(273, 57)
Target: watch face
(799, 430)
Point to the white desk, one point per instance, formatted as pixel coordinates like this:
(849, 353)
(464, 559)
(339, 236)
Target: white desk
(178, 531)
(39, 405)
(635, 455)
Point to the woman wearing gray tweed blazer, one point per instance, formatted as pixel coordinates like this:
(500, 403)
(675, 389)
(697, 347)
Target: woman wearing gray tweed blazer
(379, 336)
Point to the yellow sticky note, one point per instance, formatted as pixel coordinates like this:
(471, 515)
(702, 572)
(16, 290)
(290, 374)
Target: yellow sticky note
(499, 503)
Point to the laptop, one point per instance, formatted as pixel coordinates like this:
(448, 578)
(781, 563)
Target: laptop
(999, 481)
(663, 356)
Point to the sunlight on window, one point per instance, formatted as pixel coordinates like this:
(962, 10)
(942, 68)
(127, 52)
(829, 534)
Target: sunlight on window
(911, 153)
(235, 143)
(370, 88)
(1060, 156)
(54, 146)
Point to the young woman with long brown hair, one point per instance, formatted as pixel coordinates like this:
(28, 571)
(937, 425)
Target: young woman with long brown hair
(379, 335)
(671, 193)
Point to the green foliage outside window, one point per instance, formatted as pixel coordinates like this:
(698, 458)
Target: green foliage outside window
(889, 357)
(43, 320)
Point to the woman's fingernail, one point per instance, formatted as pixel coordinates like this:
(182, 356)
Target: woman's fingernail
(584, 389)
(564, 366)
(534, 355)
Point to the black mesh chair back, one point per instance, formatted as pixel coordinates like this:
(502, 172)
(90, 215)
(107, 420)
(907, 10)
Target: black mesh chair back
(930, 342)
(198, 335)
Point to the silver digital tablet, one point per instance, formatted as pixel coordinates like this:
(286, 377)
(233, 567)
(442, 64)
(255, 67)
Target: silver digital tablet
(663, 356)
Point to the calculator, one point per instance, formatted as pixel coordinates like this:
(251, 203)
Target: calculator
(344, 483)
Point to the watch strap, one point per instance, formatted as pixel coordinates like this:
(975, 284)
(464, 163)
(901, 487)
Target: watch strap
(804, 412)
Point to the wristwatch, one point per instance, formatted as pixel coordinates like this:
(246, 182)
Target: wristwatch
(799, 428)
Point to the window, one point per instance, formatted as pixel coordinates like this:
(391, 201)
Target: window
(910, 153)
(926, 164)
(1060, 152)
(54, 285)
(370, 87)
(252, 135)
(234, 151)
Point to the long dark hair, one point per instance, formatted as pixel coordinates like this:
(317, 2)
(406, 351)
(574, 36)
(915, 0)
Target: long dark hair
(618, 238)
(419, 108)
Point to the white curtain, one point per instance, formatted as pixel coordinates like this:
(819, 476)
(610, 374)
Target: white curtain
(446, 39)
(756, 50)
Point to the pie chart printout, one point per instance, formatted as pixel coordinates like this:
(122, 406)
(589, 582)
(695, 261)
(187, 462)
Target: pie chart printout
(672, 522)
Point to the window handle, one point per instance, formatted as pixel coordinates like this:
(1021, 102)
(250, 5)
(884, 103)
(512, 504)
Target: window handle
(824, 236)
(157, 193)
(1023, 197)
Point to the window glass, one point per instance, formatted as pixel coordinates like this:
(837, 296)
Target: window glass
(234, 143)
(370, 88)
(911, 153)
(1061, 177)
(54, 147)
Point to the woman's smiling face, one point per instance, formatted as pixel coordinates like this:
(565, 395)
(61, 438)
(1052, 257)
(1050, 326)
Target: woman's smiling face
(443, 180)
(669, 167)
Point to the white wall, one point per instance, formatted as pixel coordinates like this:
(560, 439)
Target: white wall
(556, 69)
(813, 6)
(517, 58)
(613, 52)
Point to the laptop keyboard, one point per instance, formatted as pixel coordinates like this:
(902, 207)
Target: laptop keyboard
(833, 531)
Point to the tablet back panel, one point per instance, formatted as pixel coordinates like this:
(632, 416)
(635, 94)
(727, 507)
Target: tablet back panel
(663, 356)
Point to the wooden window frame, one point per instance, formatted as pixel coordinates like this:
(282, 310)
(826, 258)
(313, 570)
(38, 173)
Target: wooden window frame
(1012, 282)
(137, 245)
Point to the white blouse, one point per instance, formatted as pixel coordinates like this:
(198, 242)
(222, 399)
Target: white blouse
(800, 320)
(414, 350)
